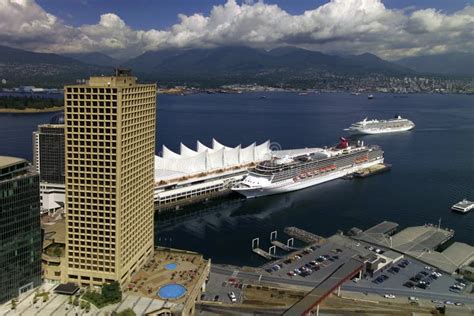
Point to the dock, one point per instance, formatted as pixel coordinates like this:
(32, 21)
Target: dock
(375, 169)
(281, 245)
(303, 235)
(263, 253)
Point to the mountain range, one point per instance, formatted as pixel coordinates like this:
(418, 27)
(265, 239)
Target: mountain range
(239, 60)
(447, 64)
(216, 66)
(98, 59)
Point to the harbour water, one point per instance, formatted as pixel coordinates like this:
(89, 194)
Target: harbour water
(432, 166)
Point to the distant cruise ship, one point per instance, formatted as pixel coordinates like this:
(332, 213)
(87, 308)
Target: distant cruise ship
(290, 170)
(397, 124)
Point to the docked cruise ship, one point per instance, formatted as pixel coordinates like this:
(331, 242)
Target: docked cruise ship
(290, 170)
(397, 124)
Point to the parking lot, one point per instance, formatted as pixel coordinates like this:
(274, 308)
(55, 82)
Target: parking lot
(220, 286)
(413, 276)
(313, 263)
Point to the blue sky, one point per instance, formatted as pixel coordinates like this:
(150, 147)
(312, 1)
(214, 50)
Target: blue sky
(146, 14)
(123, 29)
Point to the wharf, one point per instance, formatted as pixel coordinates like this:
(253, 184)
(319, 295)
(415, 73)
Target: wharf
(420, 242)
(263, 253)
(303, 235)
(384, 227)
(375, 169)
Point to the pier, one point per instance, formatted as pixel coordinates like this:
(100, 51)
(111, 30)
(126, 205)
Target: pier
(303, 235)
(279, 244)
(267, 255)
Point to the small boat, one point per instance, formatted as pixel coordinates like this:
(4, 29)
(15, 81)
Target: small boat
(463, 207)
(370, 96)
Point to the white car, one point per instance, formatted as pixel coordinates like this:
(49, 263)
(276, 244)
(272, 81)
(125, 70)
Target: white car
(413, 299)
(448, 303)
(391, 296)
(232, 297)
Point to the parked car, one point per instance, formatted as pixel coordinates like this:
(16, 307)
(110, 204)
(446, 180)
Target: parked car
(454, 290)
(413, 299)
(216, 298)
(232, 297)
(391, 296)
(408, 284)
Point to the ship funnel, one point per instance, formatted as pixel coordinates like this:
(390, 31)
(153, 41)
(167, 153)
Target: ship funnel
(344, 143)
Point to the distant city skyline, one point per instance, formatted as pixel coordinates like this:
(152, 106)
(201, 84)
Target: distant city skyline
(123, 29)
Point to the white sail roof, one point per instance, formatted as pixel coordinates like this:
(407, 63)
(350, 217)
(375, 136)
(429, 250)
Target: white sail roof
(169, 154)
(200, 147)
(186, 152)
(206, 159)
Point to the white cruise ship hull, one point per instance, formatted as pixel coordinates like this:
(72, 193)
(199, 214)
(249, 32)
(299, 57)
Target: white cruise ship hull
(371, 131)
(291, 185)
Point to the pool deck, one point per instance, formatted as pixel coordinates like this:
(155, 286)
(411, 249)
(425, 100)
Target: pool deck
(154, 274)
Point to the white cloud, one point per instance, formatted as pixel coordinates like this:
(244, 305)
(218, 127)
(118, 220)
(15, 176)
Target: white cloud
(340, 26)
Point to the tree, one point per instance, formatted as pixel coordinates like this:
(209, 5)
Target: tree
(111, 292)
(13, 304)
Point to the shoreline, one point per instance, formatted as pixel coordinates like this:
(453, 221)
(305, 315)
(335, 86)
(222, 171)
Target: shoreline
(47, 110)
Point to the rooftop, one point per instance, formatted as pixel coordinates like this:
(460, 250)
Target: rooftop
(449, 260)
(169, 267)
(7, 161)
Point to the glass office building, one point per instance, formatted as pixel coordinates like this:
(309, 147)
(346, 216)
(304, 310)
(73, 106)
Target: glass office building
(20, 230)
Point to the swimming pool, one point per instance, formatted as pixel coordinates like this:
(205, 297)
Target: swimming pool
(171, 266)
(171, 291)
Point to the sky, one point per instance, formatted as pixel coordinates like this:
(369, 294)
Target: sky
(391, 29)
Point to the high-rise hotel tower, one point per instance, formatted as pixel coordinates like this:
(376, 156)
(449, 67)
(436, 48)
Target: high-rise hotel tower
(110, 148)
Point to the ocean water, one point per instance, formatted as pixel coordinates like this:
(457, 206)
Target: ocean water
(433, 165)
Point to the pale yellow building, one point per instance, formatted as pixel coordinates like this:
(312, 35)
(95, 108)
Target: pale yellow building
(110, 148)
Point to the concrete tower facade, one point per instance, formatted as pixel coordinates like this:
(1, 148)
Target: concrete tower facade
(110, 147)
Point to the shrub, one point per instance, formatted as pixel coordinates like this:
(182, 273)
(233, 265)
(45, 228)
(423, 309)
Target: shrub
(110, 294)
(127, 312)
